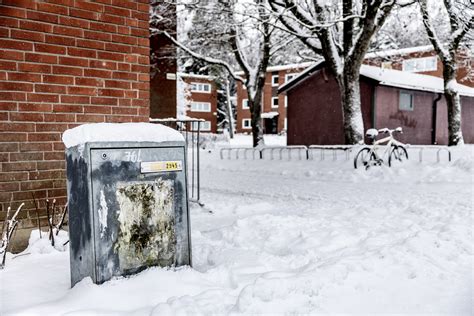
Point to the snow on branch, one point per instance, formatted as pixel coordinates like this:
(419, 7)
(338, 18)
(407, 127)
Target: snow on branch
(9, 226)
(430, 30)
(210, 60)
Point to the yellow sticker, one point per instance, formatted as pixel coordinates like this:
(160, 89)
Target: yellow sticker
(161, 166)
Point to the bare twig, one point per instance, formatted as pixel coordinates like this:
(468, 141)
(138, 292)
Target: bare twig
(61, 222)
(37, 214)
(9, 229)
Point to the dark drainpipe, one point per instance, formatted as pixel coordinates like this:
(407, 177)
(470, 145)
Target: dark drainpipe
(434, 117)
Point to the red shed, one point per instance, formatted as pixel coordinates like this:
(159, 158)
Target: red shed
(389, 98)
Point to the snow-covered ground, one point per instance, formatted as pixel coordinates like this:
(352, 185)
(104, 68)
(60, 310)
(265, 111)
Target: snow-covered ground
(290, 237)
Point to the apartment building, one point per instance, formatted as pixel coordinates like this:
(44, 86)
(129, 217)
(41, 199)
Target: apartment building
(423, 60)
(274, 105)
(199, 100)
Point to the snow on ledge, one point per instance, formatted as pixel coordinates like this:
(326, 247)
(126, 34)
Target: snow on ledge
(120, 132)
(269, 115)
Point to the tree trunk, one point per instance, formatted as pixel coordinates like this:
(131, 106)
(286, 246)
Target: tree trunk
(351, 107)
(230, 114)
(257, 128)
(453, 102)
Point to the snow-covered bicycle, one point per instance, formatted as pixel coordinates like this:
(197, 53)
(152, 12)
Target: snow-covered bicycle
(394, 150)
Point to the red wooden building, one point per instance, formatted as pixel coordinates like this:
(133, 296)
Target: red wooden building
(200, 100)
(389, 98)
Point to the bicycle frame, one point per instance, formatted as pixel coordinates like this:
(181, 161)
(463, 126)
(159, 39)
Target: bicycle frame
(389, 140)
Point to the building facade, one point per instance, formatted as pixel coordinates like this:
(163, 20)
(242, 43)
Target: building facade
(163, 65)
(273, 105)
(423, 60)
(389, 98)
(199, 100)
(62, 64)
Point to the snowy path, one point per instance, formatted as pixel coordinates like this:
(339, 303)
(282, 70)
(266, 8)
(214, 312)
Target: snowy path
(293, 237)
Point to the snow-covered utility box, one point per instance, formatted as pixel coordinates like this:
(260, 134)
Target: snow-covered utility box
(127, 199)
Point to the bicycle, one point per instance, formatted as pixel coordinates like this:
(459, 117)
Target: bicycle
(368, 156)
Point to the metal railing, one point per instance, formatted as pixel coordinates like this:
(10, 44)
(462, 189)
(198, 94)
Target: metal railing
(310, 152)
(191, 130)
(438, 149)
(323, 149)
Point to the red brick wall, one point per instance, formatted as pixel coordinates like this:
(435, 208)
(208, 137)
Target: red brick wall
(204, 97)
(63, 63)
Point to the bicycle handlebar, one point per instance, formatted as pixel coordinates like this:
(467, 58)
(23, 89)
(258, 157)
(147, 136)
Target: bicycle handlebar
(390, 131)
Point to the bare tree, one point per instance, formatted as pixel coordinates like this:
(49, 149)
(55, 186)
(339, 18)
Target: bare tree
(245, 30)
(340, 31)
(461, 21)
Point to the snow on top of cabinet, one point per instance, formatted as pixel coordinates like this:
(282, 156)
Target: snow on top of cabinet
(120, 132)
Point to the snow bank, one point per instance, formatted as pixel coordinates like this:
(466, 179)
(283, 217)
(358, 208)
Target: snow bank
(42, 245)
(290, 237)
(114, 132)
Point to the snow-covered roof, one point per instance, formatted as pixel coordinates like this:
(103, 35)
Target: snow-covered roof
(289, 66)
(411, 81)
(120, 132)
(400, 51)
(389, 77)
(308, 71)
(186, 75)
(283, 67)
(269, 115)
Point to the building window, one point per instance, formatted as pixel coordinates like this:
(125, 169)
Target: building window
(289, 77)
(286, 101)
(205, 126)
(200, 87)
(285, 126)
(386, 65)
(245, 103)
(406, 101)
(420, 64)
(275, 102)
(200, 106)
(275, 81)
(246, 124)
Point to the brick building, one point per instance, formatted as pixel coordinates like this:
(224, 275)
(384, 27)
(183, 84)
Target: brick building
(274, 105)
(201, 100)
(64, 63)
(423, 60)
(163, 66)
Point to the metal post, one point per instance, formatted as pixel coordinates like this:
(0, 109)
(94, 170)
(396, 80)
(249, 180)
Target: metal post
(197, 164)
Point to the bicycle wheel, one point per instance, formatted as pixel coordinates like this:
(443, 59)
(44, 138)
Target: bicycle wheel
(364, 158)
(397, 154)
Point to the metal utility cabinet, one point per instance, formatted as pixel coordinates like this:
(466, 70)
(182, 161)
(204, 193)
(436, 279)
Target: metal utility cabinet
(128, 208)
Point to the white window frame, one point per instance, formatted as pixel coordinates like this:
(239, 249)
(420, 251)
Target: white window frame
(273, 80)
(412, 101)
(198, 87)
(286, 101)
(208, 104)
(273, 103)
(285, 125)
(249, 124)
(290, 75)
(205, 126)
(423, 64)
(245, 104)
